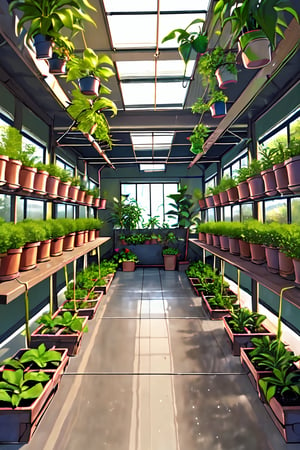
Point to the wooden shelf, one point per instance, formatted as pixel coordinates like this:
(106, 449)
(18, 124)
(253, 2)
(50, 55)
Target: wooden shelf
(258, 272)
(9, 290)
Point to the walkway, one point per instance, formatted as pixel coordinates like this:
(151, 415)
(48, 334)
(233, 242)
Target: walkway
(154, 373)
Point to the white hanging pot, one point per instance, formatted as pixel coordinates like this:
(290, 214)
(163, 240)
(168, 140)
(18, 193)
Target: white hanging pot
(255, 48)
(225, 77)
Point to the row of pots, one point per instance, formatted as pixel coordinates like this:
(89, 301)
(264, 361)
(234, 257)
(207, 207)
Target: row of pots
(277, 261)
(26, 258)
(283, 178)
(15, 176)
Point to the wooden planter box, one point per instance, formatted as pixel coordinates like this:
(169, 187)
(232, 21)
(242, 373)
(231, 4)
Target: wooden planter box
(254, 374)
(238, 340)
(214, 314)
(105, 287)
(71, 342)
(17, 425)
(286, 419)
(89, 311)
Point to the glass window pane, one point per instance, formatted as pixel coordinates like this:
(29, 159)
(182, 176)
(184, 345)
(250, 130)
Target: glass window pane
(61, 211)
(280, 136)
(129, 190)
(236, 213)
(143, 200)
(139, 94)
(35, 209)
(151, 5)
(211, 215)
(20, 208)
(71, 211)
(295, 128)
(138, 69)
(157, 207)
(226, 172)
(276, 211)
(295, 207)
(246, 211)
(227, 213)
(5, 207)
(39, 152)
(169, 189)
(82, 211)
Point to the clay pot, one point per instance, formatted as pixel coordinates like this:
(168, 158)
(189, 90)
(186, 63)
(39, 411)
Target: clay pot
(269, 182)
(80, 197)
(286, 267)
(209, 239)
(169, 262)
(43, 253)
(209, 201)
(224, 243)
(27, 176)
(29, 256)
(10, 264)
(293, 172)
(233, 194)
(79, 238)
(202, 203)
(296, 263)
(40, 182)
(272, 257)
(258, 255)
(12, 173)
(224, 198)
(281, 178)
(91, 235)
(73, 193)
(3, 162)
(202, 237)
(244, 250)
(69, 242)
(102, 204)
(56, 248)
(96, 202)
(243, 190)
(88, 199)
(52, 186)
(63, 189)
(256, 187)
(216, 240)
(216, 199)
(234, 247)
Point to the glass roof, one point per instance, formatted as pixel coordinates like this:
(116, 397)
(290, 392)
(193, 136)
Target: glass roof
(151, 141)
(151, 5)
(140, 69)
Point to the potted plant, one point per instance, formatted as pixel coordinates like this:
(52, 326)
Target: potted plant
(126, 214)
(198, 137)
(266, 158)
(218, 305)
(217, 104)
(293, 165)
(170, 258)
(255, 181)
(127, 258)
(12, 240)
(242, 179)
(62, 330)
(64, 184)
(220, 65)
(62, 49)
(281, 154)
(74, 188)
(47, 18)
(255, 24)
(253, 233)
(55, 232)
(11, 146)
(189, 40)
(34, 234)
(290, 245)
(90, 70)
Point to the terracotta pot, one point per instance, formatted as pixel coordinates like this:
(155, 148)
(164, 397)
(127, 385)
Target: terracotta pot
(233, 194)
(202, 203)
(281, 178)
(96, 202)
(68, 243)
(29, 256)
(209, 239)
(286, 267)
(10, 264)
(170, 262)
(3, 162)
(255, 48)
(129, 266)
(56, 248)
(80, 197)
(27, 176)
(258, 255)
(225, 77)
(40, 182)
(269, 182)
(224, 198)
(243, 190)
(272, 257)
(92, 235)
(234, 247)
(88, 199)
(12, 173)
(79, 238)
(224, 243)
(293, 172)
(63, 189)
(244, 250)
(102, 204)
(216, 240)
(43, 253)
(86, 236)
(52, 186)
(256, 187)
(202, 237)
(296, 263)
(73, 193)
(209, 201)
(216, 199)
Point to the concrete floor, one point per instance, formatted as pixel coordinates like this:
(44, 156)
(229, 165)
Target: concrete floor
(154, 373)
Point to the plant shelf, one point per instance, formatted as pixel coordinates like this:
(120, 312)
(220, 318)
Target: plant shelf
(258, 273)
(10, 290)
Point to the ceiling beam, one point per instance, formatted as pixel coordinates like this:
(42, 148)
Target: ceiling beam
(280, 56)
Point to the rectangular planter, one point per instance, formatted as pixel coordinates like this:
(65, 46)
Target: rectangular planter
(90, 310)
(105, 287)
(71, 342)
(286, 419)
(214, 314)
(238, 340)
(254, 375)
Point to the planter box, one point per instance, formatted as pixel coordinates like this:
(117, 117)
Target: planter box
(89, 311)
(214, 314)
(17, 425)
(238, 340)
(254, 374)
(69, 341)
(286, 419)
(105, 287)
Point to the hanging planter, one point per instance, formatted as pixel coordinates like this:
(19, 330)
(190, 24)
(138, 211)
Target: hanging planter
(225, 77)
(218, 110)
(43, 46)
(255, 48)
(89, 85)
(57, 66)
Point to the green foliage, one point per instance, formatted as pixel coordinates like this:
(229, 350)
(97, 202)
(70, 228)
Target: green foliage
(170, 251)
(11, 236)
(40, 356)
(33, 229)
(271, 354)
(200, 106)
(183, 208)
(242, 318)
(217, 96)
(70, 322)
(283, 383)
(10, 142)
(198, 137)
(90, 64)
(126, 214)
(124, 255)
(152, 222)
(219, 301)
(15, 386)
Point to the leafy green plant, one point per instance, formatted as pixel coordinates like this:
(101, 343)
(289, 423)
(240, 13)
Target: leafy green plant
(283, 383)
(200, 106)
(33, 229)
(126, 214)
(196, 40)
(40, 356)
(242, 174)
(124, 255)
(70, 322)
(11, 236)
(183, 207)
(90, 64)
(170, 251)
(54, 228)
(152, 222)
(198, 137)
(242, 318)
(219, 301)
(270, 354)
(211, 61)
(10, 142)
(15, 386)
(217, 96)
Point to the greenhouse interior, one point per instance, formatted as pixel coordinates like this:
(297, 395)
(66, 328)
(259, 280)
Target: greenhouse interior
(149, 225)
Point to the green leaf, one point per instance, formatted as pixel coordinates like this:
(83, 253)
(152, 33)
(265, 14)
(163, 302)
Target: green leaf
(271, 392)
(4, 397)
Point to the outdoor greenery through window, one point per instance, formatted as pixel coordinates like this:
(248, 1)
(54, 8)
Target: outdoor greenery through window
(152, 198)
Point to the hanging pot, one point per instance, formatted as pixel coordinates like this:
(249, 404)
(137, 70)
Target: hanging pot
(255, 48)
(3, 162)
(218, 110)
(43, 46)
(225, 77)
(89, 85)
(293, 172)
(57, 66)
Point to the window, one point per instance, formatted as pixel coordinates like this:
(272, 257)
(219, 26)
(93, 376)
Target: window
(65, 166)
(246, 211)
(152, 197)
(295, 210)
(276, 211)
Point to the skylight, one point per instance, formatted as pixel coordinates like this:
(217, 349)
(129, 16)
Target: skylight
(141, 95)
(153, 167)
(151, 141)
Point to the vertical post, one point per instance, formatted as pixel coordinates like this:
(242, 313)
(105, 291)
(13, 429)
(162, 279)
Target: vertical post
(255, 295)
(51, 295)
(238, 285)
